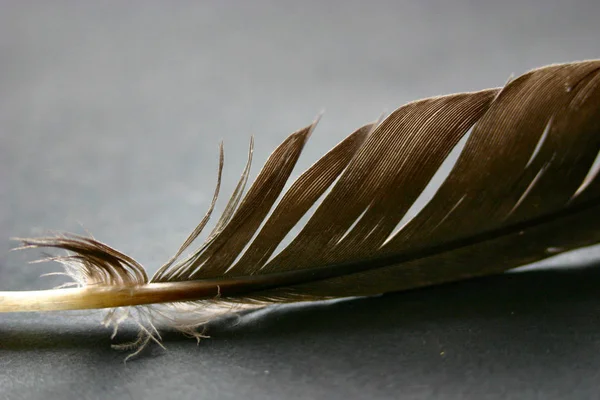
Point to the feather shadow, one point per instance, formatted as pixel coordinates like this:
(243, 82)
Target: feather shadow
(538, 296)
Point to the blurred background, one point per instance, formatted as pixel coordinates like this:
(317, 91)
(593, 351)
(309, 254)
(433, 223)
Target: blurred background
(111, 113)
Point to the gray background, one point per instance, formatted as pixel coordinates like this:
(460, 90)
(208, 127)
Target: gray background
(110, 117)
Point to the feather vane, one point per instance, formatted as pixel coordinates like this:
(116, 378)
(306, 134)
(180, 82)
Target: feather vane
(524, 187)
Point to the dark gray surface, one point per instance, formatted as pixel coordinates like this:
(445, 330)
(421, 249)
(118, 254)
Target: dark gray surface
(110, 115)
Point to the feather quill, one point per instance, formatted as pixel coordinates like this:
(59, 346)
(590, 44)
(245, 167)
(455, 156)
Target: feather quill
(524, 188)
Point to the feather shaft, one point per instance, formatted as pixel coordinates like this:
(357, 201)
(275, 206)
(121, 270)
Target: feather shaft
(101, 296)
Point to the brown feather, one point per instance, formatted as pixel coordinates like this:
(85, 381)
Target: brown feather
(524, 188)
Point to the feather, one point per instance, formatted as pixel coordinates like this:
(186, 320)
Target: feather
(523, 188)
